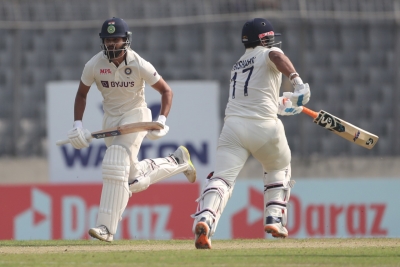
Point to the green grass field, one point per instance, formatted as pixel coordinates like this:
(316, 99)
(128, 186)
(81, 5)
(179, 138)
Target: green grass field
(259, 252)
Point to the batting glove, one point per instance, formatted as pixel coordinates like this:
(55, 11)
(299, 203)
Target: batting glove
(286, 108)
(79, 137)
(300, 96)
(156, 134)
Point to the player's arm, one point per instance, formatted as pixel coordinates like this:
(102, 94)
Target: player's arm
(80, 101)
(301, 94)
(283, 64)
(166, 102)
(166, 96)
(78, 136)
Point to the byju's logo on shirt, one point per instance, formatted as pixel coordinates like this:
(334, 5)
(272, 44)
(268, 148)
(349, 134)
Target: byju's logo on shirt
(105, 71)
(105, 84)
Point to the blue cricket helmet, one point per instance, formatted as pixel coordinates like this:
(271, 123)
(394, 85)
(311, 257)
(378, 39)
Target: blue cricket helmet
(115, 27)
(259, 29)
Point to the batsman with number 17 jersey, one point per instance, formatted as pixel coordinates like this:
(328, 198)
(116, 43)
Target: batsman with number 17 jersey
(252, 127)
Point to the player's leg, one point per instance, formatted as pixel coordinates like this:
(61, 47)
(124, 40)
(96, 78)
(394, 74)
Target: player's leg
(218, 188)
(150, 171)
(115, 192)
(275, 158)
(277, 186)
(115, 171)
(211, 204)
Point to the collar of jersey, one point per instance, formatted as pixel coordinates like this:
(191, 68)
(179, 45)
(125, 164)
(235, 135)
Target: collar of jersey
(249, 50)
(129, 55)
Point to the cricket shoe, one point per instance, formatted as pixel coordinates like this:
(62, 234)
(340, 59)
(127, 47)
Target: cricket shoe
(182, 156)
(274, 226)
(202, 234)
(101, 232)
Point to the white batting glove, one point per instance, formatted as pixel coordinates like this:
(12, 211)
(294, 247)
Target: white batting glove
(301, 94)
(286, 108)
(156, 134)
(79, 137)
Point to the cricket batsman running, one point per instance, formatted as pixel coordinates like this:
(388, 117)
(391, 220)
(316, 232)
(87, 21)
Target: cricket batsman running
(120, 75)
(252, 127)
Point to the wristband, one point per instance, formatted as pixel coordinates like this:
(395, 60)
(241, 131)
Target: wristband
(162, 119)
(296, 81)
(292, 74)
(78, 124)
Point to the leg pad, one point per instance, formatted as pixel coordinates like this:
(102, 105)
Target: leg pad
(115, 193)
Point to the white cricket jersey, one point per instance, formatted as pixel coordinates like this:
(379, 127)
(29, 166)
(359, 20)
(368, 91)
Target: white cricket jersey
(255, 84)
(123, 87)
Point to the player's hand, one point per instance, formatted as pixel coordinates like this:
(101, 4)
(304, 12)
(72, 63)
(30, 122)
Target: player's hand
(300, 96)
(286, 108)
(156, 134)
(79, 137)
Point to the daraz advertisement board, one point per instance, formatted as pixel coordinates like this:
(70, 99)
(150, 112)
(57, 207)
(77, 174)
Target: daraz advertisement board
(68, 211)
(319, 208)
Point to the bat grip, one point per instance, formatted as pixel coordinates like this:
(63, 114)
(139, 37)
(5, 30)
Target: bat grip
(62, 142)
(310, 112)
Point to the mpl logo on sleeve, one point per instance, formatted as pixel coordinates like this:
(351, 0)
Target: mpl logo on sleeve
(105, 71)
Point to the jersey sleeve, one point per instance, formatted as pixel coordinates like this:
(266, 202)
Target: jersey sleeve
(148, 72)
(269, 62)
(88, 74)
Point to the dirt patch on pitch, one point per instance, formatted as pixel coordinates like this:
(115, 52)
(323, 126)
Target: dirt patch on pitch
(217, 245)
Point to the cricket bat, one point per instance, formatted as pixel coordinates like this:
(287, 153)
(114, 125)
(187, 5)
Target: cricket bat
(123, 129)
(343, 128)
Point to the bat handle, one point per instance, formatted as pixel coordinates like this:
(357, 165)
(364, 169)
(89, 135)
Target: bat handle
(310, 112)
(62, 142)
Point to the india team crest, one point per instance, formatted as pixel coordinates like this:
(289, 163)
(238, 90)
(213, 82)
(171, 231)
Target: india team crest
(111, 29)
(128, 71)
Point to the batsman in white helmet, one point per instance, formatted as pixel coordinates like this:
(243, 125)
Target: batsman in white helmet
(120, 75)
(252, 127)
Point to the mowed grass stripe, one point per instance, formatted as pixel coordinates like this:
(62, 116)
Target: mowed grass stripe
(288, 252)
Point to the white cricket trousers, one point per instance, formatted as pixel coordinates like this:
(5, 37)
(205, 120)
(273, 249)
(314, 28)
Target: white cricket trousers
(132, 141)
(242, 137)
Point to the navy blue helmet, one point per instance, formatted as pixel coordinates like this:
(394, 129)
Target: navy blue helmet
(259, 29)
(115, 27)
(112, 28)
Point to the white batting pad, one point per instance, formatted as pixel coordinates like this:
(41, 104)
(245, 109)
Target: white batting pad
(212, 201)
(277, 186)
(151, 171)
(115, 193)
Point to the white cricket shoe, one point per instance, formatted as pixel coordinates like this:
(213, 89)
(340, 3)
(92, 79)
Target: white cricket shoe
(202, 234)
(274, 226)
(101, 232)
(182, 155)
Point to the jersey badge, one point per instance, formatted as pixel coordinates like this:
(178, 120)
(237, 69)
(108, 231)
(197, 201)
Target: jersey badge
(128, 71)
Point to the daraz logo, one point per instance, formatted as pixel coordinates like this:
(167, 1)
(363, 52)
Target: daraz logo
(35, 222)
